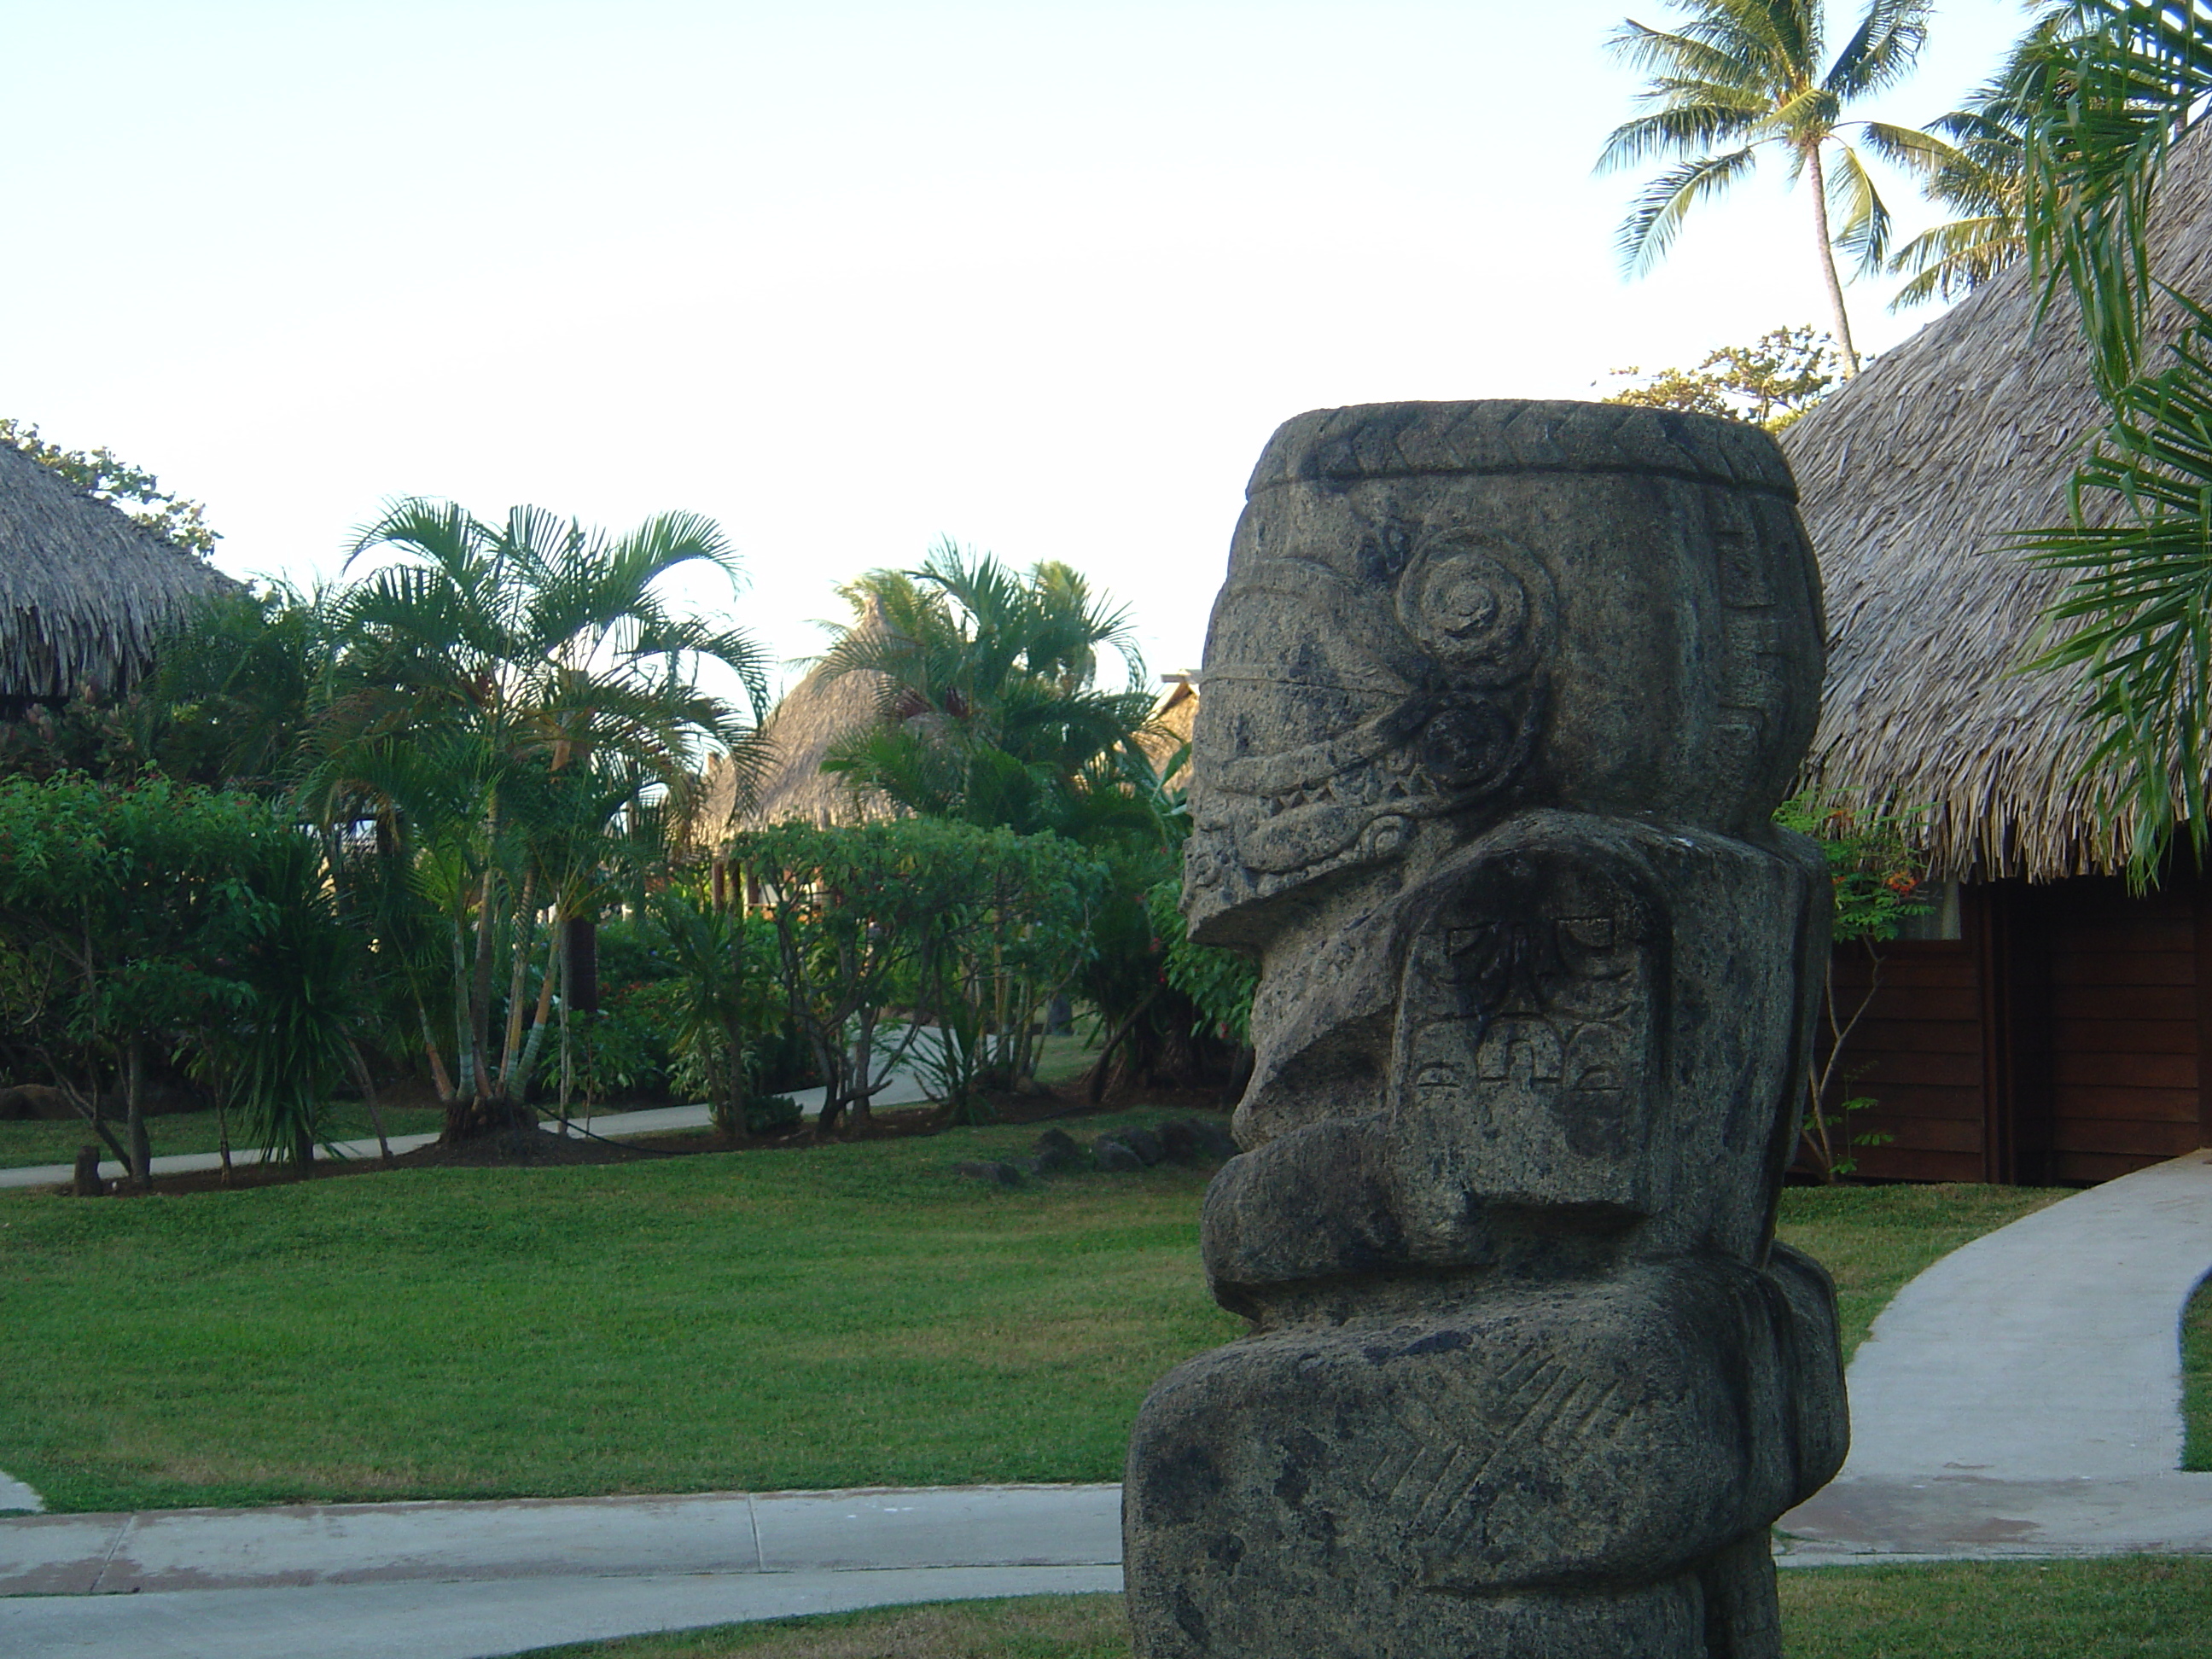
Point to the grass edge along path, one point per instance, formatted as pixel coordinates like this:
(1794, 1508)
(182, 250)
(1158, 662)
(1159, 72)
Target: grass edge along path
(846, 1315)
(2197, 1379)
(2142, 1607)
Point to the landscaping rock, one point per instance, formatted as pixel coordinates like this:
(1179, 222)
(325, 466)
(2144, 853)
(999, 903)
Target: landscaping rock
(1500, 698)
(1056, 1150)
(993, 1173)
(1213, 1138)
(37, 1100)
(1114, 1154)
(1144, 1144)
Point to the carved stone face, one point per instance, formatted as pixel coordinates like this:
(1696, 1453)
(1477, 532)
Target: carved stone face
(1423, 631)
(1338, 718)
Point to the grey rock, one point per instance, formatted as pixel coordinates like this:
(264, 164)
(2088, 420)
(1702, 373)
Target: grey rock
(1497, 701)
(1144, 1143)
(1056, 1150)
(1115, 1155)
(991, 1173)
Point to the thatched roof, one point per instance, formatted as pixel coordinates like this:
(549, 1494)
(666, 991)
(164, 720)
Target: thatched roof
(1172, 723)
(83, 589)
(813, 714)
(1911, 476)
(819, 710)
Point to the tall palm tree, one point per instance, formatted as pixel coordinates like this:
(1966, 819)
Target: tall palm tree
(1740, 77)
(1976, 164)
(505, 692)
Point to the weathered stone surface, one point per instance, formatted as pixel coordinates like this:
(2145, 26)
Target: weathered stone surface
(1497, 701)
(991, 1173)
(1113, 1154)
(1144, 1143)
(1056, 1150)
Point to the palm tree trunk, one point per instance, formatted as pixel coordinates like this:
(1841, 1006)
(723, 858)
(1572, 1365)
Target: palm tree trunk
(1819, 182)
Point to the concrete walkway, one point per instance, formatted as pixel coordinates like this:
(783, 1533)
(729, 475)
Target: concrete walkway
(460, 1581)
(902, 1090)
(2022, 1396)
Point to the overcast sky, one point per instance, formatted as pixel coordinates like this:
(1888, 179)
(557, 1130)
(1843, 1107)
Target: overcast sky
(1041, 276)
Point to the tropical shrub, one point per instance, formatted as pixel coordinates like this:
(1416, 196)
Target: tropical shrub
(136, 918)
(1876, 877)
(973, 929)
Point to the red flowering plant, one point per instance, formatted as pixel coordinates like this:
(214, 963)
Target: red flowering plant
(1880, 880)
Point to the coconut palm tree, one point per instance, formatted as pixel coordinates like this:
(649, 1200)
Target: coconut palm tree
(505, 692)
(1743, 76)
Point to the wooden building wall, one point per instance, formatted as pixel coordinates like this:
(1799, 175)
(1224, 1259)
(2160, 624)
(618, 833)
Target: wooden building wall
(2056, 1041)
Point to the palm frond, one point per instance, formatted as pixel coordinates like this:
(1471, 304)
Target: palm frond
(1656, 219)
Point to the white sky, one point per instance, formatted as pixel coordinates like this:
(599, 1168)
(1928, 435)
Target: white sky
(845, 276)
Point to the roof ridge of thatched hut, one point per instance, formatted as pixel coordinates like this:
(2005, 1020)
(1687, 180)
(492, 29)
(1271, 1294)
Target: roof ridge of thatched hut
(84, 589)
(824, 707)
(1912, 476)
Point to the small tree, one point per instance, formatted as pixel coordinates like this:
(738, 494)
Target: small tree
(1018, 934)
(1769, 383)
(1877, 878)
(975, 928)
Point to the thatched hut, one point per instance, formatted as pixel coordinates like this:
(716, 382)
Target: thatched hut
(2045, 1025)
(816, 713)
(83, 590)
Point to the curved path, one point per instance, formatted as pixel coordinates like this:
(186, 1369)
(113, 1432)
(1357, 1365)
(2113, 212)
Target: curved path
(2023, 1395)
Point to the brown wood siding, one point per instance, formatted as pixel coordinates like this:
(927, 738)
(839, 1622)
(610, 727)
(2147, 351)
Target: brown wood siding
(2120, 1021)
(1916, 1051)
(2057, 1041)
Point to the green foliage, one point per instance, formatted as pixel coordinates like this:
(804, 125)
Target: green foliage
(1015, 938)
(1877, 876)
(724, 986)
(290, 1044)
(623, 1049)
(140, 915)
(1736, 79)
(1876, 871)
(1218, 982)
(975, 927)
(990, 709)
(136, 493)
(1975, 163)
(516, 709)
(1769, 383)
(2111, 84)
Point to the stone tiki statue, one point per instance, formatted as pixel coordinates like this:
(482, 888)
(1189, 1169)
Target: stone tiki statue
(1497, 701)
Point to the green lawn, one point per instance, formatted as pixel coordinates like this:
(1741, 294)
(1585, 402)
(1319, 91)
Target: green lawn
(2139, 1607)
(2197, 1378)
(22, 1145)
(841, 1315)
